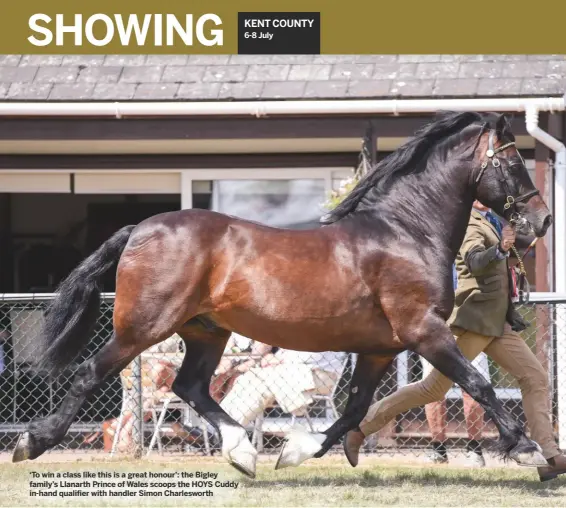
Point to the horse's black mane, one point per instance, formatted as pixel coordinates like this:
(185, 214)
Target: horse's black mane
(411, 157)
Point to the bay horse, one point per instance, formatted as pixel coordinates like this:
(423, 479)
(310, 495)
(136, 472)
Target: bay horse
(375, 280)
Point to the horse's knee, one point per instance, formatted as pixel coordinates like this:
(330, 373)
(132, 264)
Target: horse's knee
(85, 379)
(191, 393)
(480, 387)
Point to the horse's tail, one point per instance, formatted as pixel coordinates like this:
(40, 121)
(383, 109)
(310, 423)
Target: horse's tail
(71, 316)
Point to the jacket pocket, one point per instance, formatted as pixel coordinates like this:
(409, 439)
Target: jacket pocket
(490, 284)
(487, 295)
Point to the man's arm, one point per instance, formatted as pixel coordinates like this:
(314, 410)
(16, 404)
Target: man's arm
(476, 256)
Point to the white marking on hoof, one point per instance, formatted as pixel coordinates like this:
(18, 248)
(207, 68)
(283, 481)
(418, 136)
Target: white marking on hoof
(529, 459)
(22, 450)
(238, 451)
(300, 446)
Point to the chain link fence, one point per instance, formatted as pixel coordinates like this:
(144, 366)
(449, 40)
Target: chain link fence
(267, 391)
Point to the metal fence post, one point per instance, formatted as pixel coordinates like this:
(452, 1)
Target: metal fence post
(560, 327)
(137, 430)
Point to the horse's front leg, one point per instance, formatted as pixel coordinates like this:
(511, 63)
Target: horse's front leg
(301, 446)
(431, 337)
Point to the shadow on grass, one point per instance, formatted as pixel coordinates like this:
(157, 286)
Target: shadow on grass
(419, 478)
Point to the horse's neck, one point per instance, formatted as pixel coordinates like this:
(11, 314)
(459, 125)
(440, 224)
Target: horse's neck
(437, 202)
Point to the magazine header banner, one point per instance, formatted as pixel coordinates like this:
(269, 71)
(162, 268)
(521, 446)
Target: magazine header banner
(288, 27)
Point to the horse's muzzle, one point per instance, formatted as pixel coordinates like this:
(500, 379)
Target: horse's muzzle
(541, 230)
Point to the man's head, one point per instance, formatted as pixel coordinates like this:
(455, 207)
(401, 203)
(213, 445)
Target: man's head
(480, 206)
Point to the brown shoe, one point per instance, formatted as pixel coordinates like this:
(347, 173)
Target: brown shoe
(556, 466)
(353, 441)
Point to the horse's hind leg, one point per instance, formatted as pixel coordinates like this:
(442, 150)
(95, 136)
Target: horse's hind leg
(302, 446)
(48, 432)
(192, 384)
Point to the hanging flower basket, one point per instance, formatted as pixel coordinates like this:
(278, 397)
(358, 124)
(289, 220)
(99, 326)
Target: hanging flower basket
(347, 184)
(337, 196)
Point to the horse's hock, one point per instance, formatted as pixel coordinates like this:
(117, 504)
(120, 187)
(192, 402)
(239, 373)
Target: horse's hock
(27, 394)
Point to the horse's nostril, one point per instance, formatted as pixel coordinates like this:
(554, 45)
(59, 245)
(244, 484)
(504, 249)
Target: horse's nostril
(547, 222)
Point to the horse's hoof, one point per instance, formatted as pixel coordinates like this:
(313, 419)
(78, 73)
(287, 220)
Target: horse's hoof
(300, 446)
(237, 449)
(23, 448)
(243, 457)
(533, 458)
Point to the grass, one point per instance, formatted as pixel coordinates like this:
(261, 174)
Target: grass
(317, 483)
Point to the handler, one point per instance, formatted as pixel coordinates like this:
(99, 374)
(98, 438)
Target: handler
(484, 319)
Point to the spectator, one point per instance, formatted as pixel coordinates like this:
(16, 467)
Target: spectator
(289, 377)
(232, 366)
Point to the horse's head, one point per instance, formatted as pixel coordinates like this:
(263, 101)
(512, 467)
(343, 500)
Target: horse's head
(503, 182)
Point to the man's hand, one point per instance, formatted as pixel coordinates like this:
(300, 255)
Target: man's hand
(507, 238)
(514, 318)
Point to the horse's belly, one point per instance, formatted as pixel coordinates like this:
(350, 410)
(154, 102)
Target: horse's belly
(361, 330)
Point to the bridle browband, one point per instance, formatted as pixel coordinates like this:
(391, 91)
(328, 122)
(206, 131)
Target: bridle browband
(511, 202)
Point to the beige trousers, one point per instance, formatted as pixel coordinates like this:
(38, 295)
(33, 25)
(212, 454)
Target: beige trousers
(511, 353)
(292, 386)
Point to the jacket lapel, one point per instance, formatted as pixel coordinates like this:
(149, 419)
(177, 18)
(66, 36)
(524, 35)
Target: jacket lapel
(486, 223)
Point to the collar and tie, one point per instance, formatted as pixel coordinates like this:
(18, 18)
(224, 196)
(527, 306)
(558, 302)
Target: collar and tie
(495, 222)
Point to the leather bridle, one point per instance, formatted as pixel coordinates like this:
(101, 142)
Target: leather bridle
(511, 201)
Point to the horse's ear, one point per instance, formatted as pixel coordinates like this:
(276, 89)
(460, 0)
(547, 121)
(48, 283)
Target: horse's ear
(502, 124)
(503, 128)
